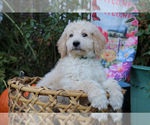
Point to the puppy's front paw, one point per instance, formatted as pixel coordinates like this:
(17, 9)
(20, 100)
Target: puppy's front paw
(99, 101)
(101, 117)
(115, 93)
(116, 117)
(116, 100)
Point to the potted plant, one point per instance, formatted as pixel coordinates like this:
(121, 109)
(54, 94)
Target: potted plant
(140, 71)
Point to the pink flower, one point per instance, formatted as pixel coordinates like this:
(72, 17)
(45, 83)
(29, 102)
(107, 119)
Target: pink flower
(120, 70)
(131, 33)
(132, 41)
(111, 41)
(108, 46)
(109, 73)
(100, 29)
(128, 78)
(106, 36)
(134, 22)
(135, 11)
(104, 33)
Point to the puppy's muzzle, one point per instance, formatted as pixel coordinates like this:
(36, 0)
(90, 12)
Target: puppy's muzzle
(76, 44)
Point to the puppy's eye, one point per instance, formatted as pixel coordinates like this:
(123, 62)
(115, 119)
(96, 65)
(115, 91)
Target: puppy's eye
(84, 35)
(71, 35)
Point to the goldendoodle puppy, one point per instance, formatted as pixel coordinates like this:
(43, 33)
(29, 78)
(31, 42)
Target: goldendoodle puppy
(79, 67)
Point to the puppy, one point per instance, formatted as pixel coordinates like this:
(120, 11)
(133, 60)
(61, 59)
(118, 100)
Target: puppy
(79, 68)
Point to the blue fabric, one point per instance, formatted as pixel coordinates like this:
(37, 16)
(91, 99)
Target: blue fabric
(124, 84)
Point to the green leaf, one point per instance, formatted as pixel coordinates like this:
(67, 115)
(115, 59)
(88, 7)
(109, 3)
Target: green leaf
(147, 32)
(2, 71)
(26, 45)
(13, 58)
(148, 26)
(138, 17)
(24, 23)
(28, 35)
(1, 56)
(130, 9)
(139, 33)
(47, 36)
(147, 53)
(30, 41)
(130, 20)
(28, 27)
(32, 24)
(2, 77)
(33, 20)
(42, 25)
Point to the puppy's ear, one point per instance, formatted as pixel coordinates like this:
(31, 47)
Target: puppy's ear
(62, 45)
(99, 42)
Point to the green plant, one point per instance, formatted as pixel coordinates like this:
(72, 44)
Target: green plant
(143, 5)
(143, 17)
(143, 51)
(6, 64)
(28, 42)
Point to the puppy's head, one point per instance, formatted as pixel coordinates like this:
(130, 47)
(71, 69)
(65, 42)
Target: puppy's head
(81, 38)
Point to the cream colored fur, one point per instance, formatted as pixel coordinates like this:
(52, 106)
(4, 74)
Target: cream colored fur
(73, 72)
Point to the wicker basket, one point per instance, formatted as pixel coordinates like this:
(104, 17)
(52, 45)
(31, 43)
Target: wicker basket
(23, 97)
(63, 119)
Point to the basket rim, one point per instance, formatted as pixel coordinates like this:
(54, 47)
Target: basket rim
(17, 83)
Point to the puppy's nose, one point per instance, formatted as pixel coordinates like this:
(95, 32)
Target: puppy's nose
(76, 43)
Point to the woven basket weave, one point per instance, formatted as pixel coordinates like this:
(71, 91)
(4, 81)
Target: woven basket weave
(62, 119)
(23, 97)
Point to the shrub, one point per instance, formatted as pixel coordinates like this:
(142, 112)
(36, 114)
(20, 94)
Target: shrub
(28, 42)
(143, 50)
